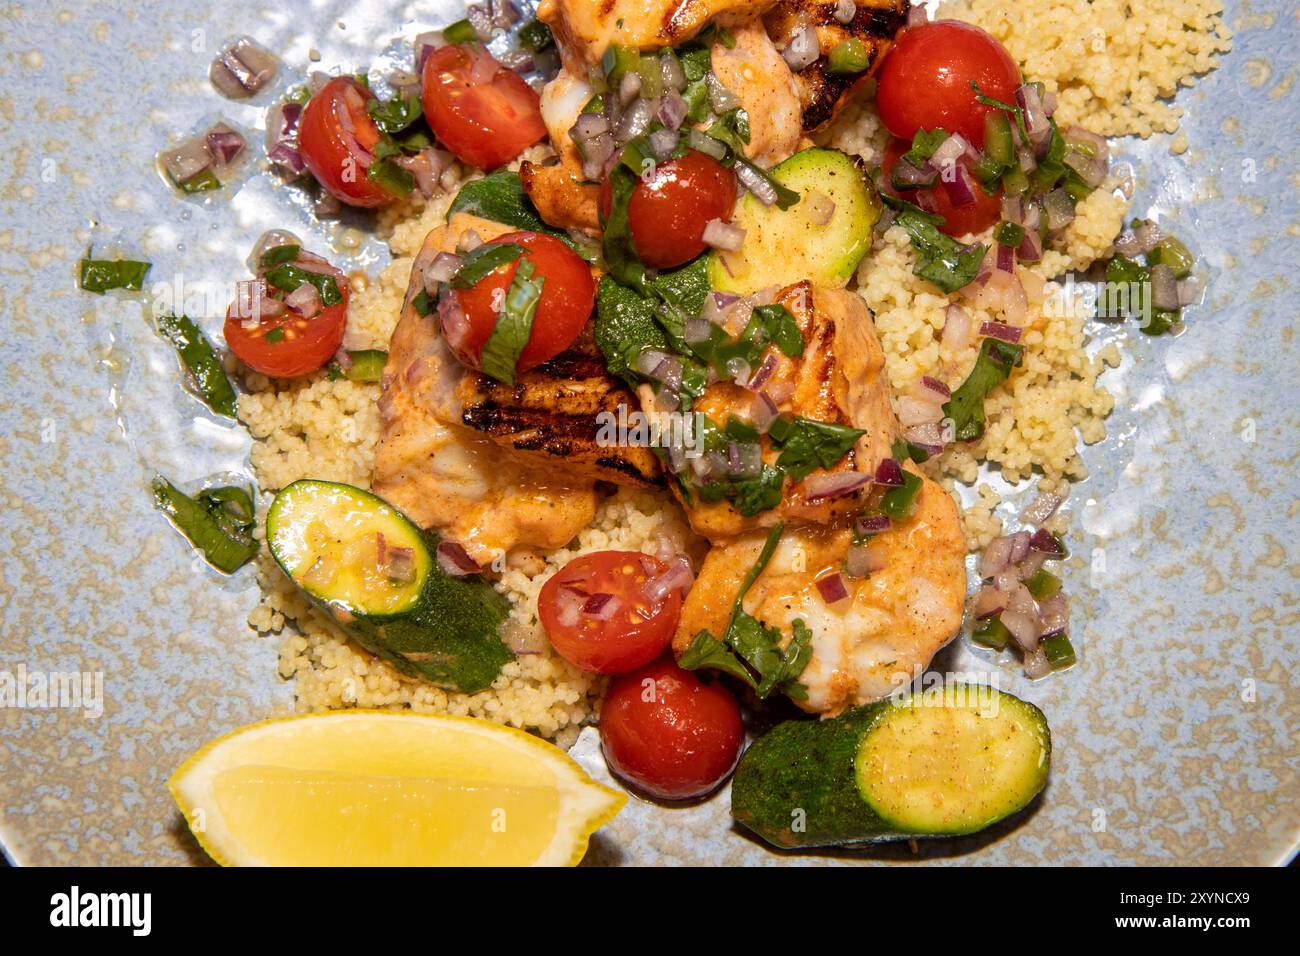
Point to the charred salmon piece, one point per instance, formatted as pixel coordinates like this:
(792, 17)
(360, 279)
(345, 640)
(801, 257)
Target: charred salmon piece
(560, 196)
(446, 476)
(864, 646)
(555, 413)
(822, 92)
(585, 28)
(551, 417)
(839, 379)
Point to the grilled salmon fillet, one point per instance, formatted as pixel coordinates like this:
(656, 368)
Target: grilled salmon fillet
(551, 415)
(822, 92)
(865, 646)
(584, 28)
(839, 379)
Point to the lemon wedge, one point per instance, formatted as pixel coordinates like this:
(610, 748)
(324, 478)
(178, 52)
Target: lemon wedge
(377, 788)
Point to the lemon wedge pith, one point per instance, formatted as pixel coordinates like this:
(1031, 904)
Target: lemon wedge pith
(377, 788)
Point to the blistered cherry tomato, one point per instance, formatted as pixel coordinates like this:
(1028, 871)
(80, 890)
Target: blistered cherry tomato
(925, 80)
(271, 338)
(957, 220)
(568, 295)
(336, 136)
(481, 111)
(600, 616)
(671, 205)
(669, 734)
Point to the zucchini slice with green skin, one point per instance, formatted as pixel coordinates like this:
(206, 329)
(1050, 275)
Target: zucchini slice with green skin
(943, 761)
(810, 240)
(363, 561)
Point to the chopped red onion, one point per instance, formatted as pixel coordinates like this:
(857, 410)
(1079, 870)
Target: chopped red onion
(889, 473)
(426, 166)
(1189, 291)
(1012, 209)
(958, 327)
(755, 182)
(936, 387)
(286, 155)
(648, 362)
(636, 120)
(845, 11)
(989, 601)
(949, 151)
(820, 207)
(960, 187)
(1058, 208)
(762, 373)
(1031, 246)
(1036, 664)
(629, 87)
(723, 235)
(678, 577)
(928, 437)
(1023, 628)
(1078, 134)
(857, 561)
(832, 588)
(1006, 259)
(672, 73)
(242, 68)
(917, 15)
(480, 19)
(444, 266)
(1148, 236)
(739, 371)
(803, 49)
(1090, 169)
(995, 557)
(1054, 614)
(424, 44)
(907, 174)
(696, 331)
(825, 486)
(744, 459)
(762, 412)
(867, 524)
(913, 411)
(224, 144)
(601, 606)
(1036, 123)
(455, 560)
(1164, 287)
(673, 109)
(304, 300)
(568, 606)
(1045, 542)
(1019, 546)
(187, 160)
(663, 142)
(721, 99)
(1041, 508)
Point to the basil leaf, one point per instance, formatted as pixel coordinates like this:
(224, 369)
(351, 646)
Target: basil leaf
(482, 261)
(514, 326)
(923, 146)
(203, 367)
(218, 522)
(397, 114)
(367, 365)
(100, 275)
(287, 278)
(812, 444)
(732, 128)
(966, 406)
(278, 255)
(781, 328)
(390, 177)
(941, 260)
(536, 36)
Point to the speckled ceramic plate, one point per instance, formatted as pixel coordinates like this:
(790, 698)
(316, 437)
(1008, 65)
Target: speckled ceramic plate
(1175, 733)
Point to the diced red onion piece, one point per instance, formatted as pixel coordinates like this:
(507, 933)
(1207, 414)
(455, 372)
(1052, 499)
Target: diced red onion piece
(708, 145)
(907, 174)
(762, 412)
(871, 524)
(948, 152)
(928, 437)
(224, 144)
(803, 49)
(832, 588)
(424, 44)
(1090, 169)
(1036, 664)
(1058, 208)
(958, 327)
(1044, 541)
(187, 160)
(1078, 134)
(1031, 246)
(304, 300)
(721, 99)
(1054, 614)
(663, 142)
(1006, 258)
(1019, 546)
(913, 411)
(1164, 287)
(455, 560)
(672, 109)
(826, 486)
(445, 265)
(989, 601)
(1189, 291)
(670, 70)
(935, 386)
(242, 68)
(629, 87)
(845, 11)
(723, 235)
(995, 557)
(1023, 628)
(601, 606)
(1041, 508)
(917, 15)
(753, 180)
(1011, 209)
(1036, 124)
(889, 474)
(635, 120)
(762, 373)
(678, 577)
(696, 331)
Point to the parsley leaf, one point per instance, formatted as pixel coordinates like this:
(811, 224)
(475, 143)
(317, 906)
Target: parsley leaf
(100, 275)
(397, 114)
(288, 277)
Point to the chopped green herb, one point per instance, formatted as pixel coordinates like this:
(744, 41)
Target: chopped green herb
(924, 144)
(940, 259)
(288, 277)
(397, 114)
(1009, 233)
(101, 275)
(898, 502)
(218, 522)
(482, 261)
(514, 326)
(423, 303)
(966, 407)
(390, 177)
(810, 445)
(205, 370)
(278, 255)
(535, 35)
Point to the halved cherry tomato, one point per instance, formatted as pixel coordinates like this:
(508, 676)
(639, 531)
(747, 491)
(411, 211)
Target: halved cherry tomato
(668, 733)
(568, 294)
(957, 220)
(279, 342)
(598, 615)
(670, 207)
(925, 80)
(336, 136)
(481, 111)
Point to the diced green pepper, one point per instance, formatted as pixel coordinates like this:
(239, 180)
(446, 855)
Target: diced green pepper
(1009, 234)
(849, 56)
(1058, 650)
(898, 502)
(1043, 584)
(462, 31)
(1172, 253)
(991, 632)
